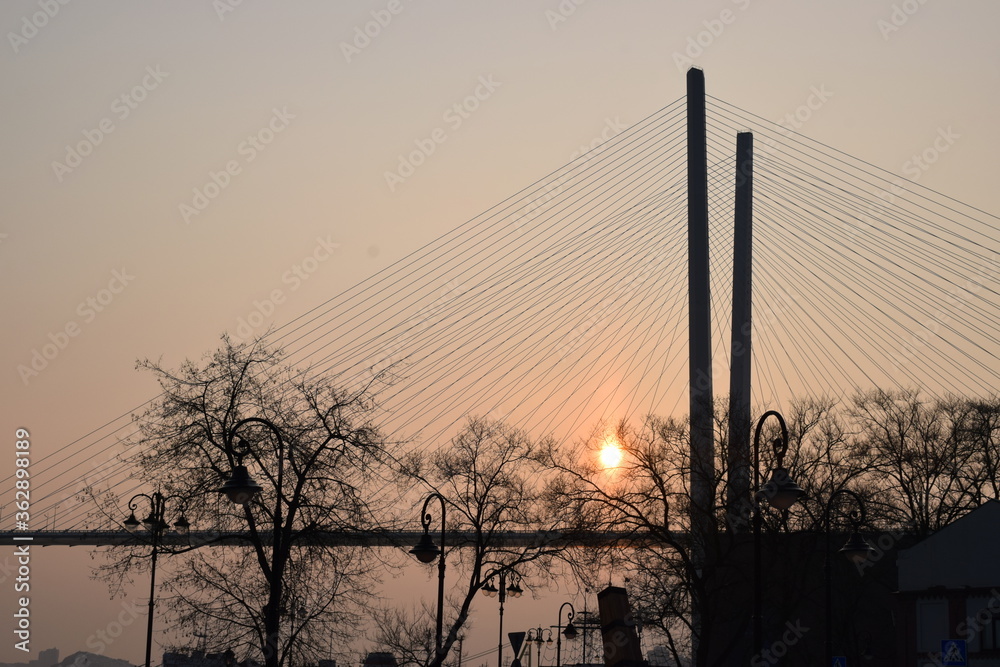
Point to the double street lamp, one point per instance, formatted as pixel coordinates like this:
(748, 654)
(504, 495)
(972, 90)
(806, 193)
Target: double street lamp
(426, 551)
(155, 525)
(515, 591)
(781, 493)
(539, 636)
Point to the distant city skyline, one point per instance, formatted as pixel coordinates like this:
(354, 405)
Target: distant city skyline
(78, 658)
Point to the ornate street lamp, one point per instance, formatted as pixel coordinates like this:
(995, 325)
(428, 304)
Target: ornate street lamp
(155, 525)
(539, 636)
(856, 550)
(241, 488)
(781, 493)
(513, 589)
(569, 632)
(426, 551)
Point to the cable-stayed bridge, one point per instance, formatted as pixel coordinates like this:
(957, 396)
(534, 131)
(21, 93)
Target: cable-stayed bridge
(565, 305)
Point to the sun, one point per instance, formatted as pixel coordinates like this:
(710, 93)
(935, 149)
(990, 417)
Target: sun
(611, 454)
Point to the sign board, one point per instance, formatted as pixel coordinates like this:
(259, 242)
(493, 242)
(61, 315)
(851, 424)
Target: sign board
(954, 652)
(516, 642)
(838, 661)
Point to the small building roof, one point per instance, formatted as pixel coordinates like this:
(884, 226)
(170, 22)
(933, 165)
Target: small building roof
(963, 554)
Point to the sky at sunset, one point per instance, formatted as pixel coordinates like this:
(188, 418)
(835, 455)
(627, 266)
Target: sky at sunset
(176, 170)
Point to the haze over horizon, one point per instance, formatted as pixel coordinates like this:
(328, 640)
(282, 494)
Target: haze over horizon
(177, 171)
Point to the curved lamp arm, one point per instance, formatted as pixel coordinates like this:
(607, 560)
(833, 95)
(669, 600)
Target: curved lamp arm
(426, 518)
(241, 448)
(857, 515)
(780, 444)
(780, 491)
(241, 487)
(157, 510)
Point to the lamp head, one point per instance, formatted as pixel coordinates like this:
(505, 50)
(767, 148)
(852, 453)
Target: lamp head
(857, 549)
(426, 551)
(570, 631)
(489, 590)
(780, 491)
(182, 526)
(131, 523)
(240, 488)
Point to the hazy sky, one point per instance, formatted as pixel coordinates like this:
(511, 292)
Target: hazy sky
(168, 164)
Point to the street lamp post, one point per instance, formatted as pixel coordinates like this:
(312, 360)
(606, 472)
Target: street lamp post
(537, 635)
(781, 493)
(241, 488)
(569, 632)
(489, 590)
(856, 550)
(155, 524)
(426, 551)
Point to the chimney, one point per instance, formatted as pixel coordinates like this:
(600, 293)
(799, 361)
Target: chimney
(621, 641)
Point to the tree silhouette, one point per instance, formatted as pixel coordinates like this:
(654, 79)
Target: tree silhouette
(281, 594)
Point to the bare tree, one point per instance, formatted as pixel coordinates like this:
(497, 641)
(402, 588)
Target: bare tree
(914, 452)
(977, 424)
(699, 607)
(488, 479)
(646, 498)
(281, 594)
